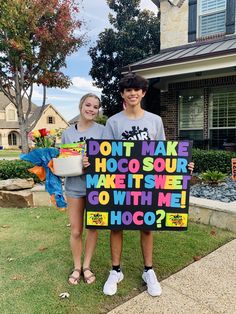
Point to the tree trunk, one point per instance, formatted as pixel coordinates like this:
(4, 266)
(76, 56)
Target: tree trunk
(23, 121)
(24, 139)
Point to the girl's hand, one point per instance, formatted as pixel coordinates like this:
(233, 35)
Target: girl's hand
(191, 167)
(85, 162)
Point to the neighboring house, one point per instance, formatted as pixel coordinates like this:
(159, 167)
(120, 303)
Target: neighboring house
(195, 72)
(74, 120)
(9, 127)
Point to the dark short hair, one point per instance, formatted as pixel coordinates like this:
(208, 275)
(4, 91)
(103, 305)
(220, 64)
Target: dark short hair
(132, 80)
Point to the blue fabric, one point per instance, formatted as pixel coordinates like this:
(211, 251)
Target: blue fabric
(53, 185)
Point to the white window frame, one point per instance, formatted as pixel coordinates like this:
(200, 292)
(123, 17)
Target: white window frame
(210, 12)
(194, 128)
(12, 139)
(52, 119)
(210, 111)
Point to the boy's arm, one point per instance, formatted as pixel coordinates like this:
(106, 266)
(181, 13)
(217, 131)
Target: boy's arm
(160, 132)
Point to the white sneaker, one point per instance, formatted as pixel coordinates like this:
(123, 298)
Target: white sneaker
(114, 278)
(153, 285)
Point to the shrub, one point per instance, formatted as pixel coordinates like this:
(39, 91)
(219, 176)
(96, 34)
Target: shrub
(102, 119)
(214, 160)
(213, 177)
(11, 169)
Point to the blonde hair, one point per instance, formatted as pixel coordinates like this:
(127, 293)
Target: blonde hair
(82, 100)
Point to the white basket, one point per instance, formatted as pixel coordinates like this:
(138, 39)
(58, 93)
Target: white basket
(68, 167)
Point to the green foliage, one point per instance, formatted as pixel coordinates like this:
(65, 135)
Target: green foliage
(213, 177)
(134, 36)
(214, 160)
(35, 39)
(9, 153)
(11, 169)
(102, 119)
(36, 260)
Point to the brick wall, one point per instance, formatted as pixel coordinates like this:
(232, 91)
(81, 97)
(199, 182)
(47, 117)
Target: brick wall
(169, 113)
(169, 102)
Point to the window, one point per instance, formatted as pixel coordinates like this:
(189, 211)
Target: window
(11, 115)
(212, 17)
(50, 120)
(12, 139)
(222, 116)
(191, 115)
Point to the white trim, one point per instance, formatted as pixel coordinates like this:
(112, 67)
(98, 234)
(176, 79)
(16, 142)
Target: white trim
(222, 127)
(189, 67)
(189, 129)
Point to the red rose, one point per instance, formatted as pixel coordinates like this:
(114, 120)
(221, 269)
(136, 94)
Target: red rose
(43, 132)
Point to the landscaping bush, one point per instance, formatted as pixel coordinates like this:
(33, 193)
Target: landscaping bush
(214, 160)
(213, 177)
(11, 169)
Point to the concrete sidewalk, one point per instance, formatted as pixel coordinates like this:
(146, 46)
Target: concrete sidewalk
(206, 286)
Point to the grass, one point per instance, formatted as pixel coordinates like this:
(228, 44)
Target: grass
(36, 260)
(9, 153)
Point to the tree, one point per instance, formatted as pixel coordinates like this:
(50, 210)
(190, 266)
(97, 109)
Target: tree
(134, 36)
(36, 36)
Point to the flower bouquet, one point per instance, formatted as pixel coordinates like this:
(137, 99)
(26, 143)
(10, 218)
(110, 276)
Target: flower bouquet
(44, 138)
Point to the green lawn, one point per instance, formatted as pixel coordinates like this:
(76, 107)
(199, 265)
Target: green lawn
(9, 153)
(36, 260)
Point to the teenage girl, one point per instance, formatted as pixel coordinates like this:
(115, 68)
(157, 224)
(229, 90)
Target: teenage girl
(75, 190)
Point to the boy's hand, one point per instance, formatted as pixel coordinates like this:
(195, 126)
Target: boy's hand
(85, 162)
(191, 167)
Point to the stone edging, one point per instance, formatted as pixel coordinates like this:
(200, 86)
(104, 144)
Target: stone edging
(208, 212)
(214, 213)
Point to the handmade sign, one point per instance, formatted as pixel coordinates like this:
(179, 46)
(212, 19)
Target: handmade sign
(233, 169)
(138, 185)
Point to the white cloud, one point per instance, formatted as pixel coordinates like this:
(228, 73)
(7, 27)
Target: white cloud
(80, 85)
(37, 94)
(148, 4)
(85, 85)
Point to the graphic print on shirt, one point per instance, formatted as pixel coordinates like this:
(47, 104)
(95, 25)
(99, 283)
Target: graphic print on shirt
(81, 139)
(136, 134)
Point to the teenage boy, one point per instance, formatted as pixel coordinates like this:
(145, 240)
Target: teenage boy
(133, 123)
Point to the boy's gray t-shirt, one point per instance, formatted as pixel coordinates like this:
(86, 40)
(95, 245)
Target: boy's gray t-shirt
(148, 127)
(76, 186)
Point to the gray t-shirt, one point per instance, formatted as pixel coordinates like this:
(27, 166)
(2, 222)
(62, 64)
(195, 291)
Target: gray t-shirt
(148, 127)
(76, 186)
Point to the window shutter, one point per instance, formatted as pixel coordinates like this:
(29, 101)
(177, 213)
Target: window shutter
(192, 20)
(230, 17)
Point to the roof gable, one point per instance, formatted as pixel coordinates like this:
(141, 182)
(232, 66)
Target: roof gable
(4, 102)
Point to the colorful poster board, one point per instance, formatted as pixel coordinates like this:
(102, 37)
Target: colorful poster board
(141, 185)
(233, 169)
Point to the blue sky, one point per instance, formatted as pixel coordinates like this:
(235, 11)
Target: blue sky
(95, 13)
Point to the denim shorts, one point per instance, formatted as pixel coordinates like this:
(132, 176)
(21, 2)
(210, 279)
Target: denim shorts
(75, 187)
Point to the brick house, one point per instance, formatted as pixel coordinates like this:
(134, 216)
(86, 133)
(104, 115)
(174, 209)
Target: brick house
(193, 78)
(9, 127)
